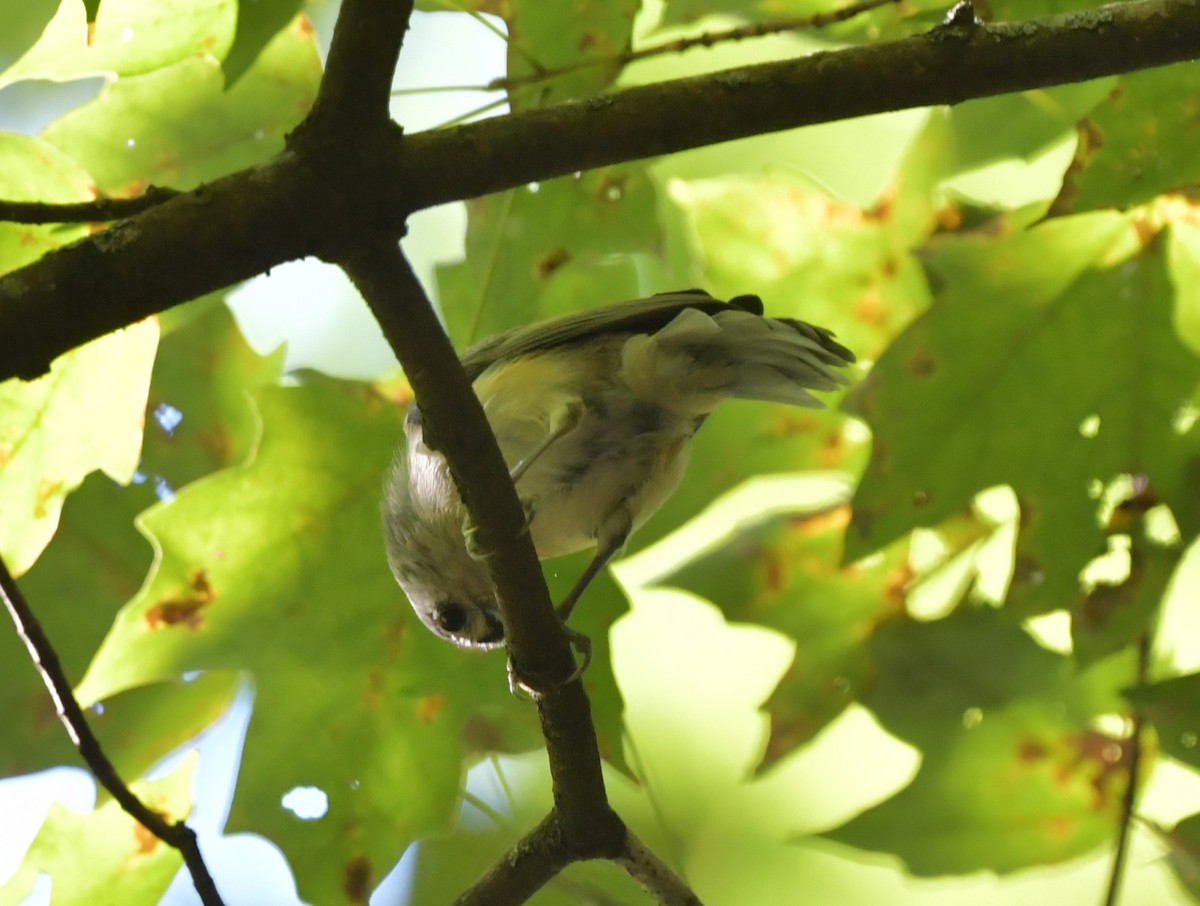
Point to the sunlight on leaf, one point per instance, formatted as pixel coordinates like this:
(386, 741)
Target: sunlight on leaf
(179, 126)
(130, 37)
(48, 444)
(124, 862)
(277, 568)
(1036, 332)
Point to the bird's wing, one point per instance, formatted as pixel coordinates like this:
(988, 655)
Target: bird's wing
(639, 316)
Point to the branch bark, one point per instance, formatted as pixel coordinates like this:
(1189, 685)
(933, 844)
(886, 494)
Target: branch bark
(317, 199)
(582, 825)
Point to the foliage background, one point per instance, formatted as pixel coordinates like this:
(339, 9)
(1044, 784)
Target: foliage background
(918, 698)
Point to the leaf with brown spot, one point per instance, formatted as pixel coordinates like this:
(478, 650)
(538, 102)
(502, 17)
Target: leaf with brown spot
(1034, 332)
(1139, 143)
(124, 862)
(1025, 781)
(551, 262)
(356, 880)
(277, 543)
(560, 251)
(146, 843)
(431, 707)
(183, 610)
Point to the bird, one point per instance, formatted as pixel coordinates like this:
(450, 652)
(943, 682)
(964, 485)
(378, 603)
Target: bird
(594, 414)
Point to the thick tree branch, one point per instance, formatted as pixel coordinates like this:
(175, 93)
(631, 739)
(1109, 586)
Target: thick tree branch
(582, 823)
(320, 202)
(357, 84)
(948, 65)
(177, 835)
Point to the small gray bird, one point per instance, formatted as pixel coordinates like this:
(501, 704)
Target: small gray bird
(594, 414)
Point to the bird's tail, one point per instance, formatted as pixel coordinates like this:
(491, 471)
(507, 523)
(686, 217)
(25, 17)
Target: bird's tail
(700, 359)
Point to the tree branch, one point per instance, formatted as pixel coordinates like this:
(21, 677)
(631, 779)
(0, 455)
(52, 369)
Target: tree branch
(948, 65)
(177, 835)
(583, 823)
(655, 876)
(707, 39)
(522, 871)
(247, 222)
(356, 87)
(96, 211)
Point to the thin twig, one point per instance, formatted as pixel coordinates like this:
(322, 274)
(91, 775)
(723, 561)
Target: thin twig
(177, 835)
(99, 210)
(436, 89)
(471, 114)
(707, 39)
(1129, 800)
(494, 29)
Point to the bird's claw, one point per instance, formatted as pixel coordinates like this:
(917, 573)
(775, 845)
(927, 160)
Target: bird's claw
(579, 642)
(475, 550)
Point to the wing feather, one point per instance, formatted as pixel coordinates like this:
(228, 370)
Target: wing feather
(639, 316)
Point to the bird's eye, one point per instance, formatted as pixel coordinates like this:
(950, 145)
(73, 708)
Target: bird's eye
(450, 616)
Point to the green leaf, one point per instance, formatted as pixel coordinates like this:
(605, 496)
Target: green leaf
(1183, 253)
(95, 563)
(1139, 144)
(954, 672)
(86, 414)
(277, 568)
(1033, 120)
(130, 37)
(93, 566)
(1013, 773)
(1170, 705)
(1035, 335)
(809, 256)
(32, 170)
(97, 560)
(1183, 842)
(1021, 788)
(178, 126)
(784, 574)
(23, 22)
(1113, 616)
(201, 415)
(257, 23)
(533, 252)
(545, 37)
(106, 857)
